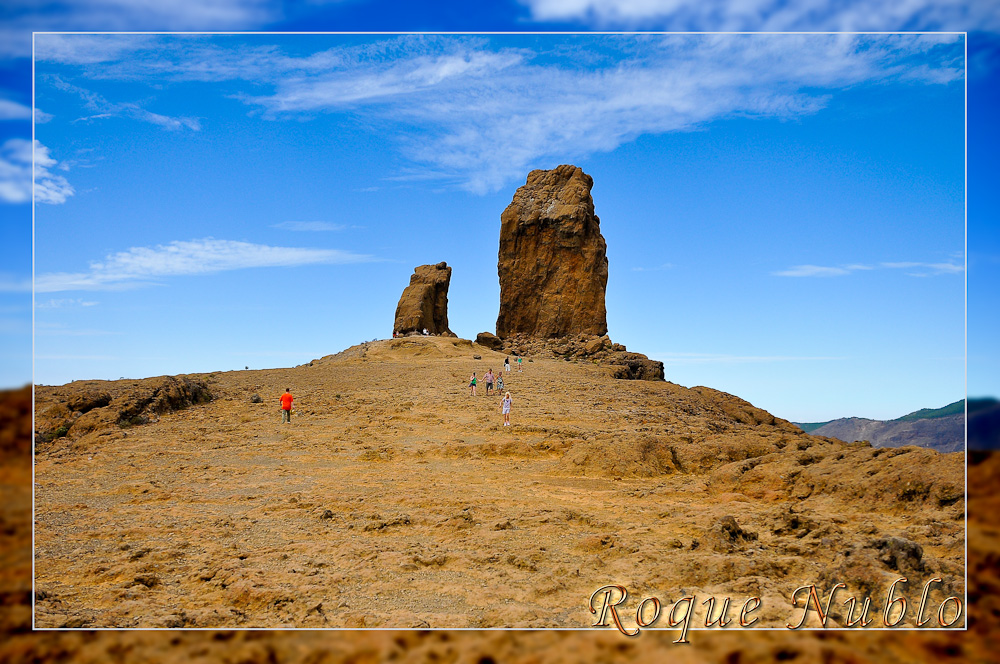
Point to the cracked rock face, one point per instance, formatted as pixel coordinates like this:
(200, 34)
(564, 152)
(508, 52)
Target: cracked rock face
(552, 263)
(424, 303)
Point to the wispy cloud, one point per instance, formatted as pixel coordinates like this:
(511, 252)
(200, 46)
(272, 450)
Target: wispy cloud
(309, 226)
(59, 330)
(479, 112)
(926, 269)
(916, 269)
(658, 268)
(482, 117)
(15, 174)
(13, 284)
(715, 358)
(21, 17)
(812, 271)
(94, 358)
(769, 15)
(144, 265)
(12, 110)
(60, 303)
(102, 108)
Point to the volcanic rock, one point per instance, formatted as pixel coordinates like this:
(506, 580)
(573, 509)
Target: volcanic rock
(599, 350)
(900, 554)
(424, 303)
(78, 409)
(636, 366)
(552, 262)
(489, 340)
(726, 535)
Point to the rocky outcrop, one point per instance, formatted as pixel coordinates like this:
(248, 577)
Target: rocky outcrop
(79, 409)
(552, 262)
(583, 348)
(636, 366)
(726, 536)
(490, 340)
(424, 303)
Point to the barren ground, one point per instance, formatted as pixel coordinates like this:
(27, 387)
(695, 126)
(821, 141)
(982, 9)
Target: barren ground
(396, 499)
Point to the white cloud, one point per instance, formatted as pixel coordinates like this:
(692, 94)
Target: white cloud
(106, 109)
(60, 330)
(477, 115)
(773, 15)
(64, 302)
(921, 269)
(12, 110)
(482, 118)
(144, 265)
(15, 174)
(24, 16)
(314, 226)
(659, 268)
(812, 271)
(12, 284)
(926, 269)
(94, 358)
(90, 49)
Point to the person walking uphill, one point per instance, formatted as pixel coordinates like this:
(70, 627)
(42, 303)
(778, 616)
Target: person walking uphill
(286, 406)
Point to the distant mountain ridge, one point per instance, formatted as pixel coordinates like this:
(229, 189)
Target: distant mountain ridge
(942, 429)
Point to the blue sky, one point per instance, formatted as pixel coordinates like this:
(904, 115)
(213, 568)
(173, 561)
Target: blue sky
(784, 214)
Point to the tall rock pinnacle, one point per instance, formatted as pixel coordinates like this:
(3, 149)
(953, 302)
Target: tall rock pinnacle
(424, 303)
(552, 262)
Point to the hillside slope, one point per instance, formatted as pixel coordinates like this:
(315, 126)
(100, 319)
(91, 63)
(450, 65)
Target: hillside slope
(944, 434)
(397, 499)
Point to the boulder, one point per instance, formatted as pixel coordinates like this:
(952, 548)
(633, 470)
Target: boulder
(636, 366)
(489, 340)
(552, 262)
(899, 554)
(595, 345)
(424, 303)
(726, 535)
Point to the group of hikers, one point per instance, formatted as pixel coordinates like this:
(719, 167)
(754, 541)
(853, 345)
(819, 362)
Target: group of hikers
(424, 332)
(490, 379)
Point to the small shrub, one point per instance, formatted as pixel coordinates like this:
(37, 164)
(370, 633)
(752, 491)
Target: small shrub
(133, 421)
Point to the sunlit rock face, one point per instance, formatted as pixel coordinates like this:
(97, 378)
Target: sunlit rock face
(552, 263)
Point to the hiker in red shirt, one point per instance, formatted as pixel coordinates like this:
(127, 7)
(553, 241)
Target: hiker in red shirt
(286, 406)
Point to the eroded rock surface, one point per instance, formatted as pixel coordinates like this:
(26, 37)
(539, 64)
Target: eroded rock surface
(85, 410)
(489, 340)
(552, 262)
(424, 303)
(586, 348)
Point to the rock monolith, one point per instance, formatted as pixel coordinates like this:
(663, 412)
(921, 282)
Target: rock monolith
(424, 303)
(552, 263)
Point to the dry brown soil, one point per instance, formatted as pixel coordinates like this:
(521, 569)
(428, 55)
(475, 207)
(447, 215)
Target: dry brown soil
(19, 644)
(397, 499)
